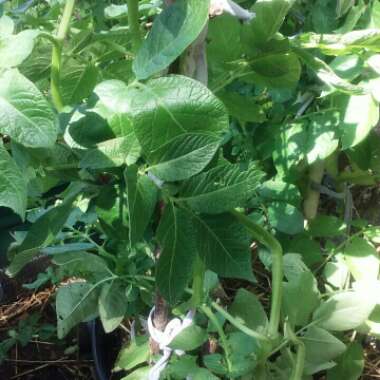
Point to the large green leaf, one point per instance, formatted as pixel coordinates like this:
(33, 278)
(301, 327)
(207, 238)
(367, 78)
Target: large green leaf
(14, 48)
(176, 236)
(362, 259)
(112, 305)
(25, 114)
(13, 190)
(173, 31)
(141, 200)
(220, 189)
(359, 114)
(285, 218)
(301, 298)
(75, 303)
(168, 107)
(41, 234)
(223, 244)
(344, 311)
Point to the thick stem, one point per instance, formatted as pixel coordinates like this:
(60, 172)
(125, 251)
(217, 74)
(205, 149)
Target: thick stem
(57, 54)
(134, 25)
(311, 202)
(198, 282)
(265, 238)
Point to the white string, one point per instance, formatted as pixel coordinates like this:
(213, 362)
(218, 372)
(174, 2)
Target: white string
(228, 6)
(164, 338)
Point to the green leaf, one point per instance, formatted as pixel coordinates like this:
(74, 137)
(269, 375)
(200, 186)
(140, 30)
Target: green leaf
(168, 107)
(138, 374)
(362, 259)
(176, 236)
(220, 189)
(75, 303)
(301, 298)
(141, 200)
(14, 48)
(112, 305)
(41, 234)
(247, 307)
(223, 244)
(13, 185)
(243, 108)
(137, 352)
(327, 226)
(184, 156)
(172, 32)
(344, 311)
(350, 365)
(189, 339)
(321, 346)
(270, 15)
(343, 6)
(359, 114)
(275, 70)
(112, 153)
(327, 75)
(26, 116)
(278, 190)
(77, 81)
(285, 218)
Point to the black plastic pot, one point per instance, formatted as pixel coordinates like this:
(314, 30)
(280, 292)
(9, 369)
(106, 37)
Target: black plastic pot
(104, 348)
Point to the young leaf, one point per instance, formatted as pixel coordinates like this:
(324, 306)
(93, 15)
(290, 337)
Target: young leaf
(350, 365)
(112, 305)
(362, 259)
(172, 32)
(301, 298)
(13, 186)
(285, 218)
(41, 234)
(75, 303)
(137, 352)
(176, 236)
(270, 15)
(247, 307)
(220, 189)
(189, 339)
(223, 244)
(141, 200)
(26, 116)
(344, 311)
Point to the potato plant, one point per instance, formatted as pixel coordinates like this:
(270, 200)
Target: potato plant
(156, 151)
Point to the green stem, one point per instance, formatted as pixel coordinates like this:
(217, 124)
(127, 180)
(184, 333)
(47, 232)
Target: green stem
(211, 316)
(311, 203)
(198, 282)
(56, 59)
(265, 238)
(134, 25)
(299, 365)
